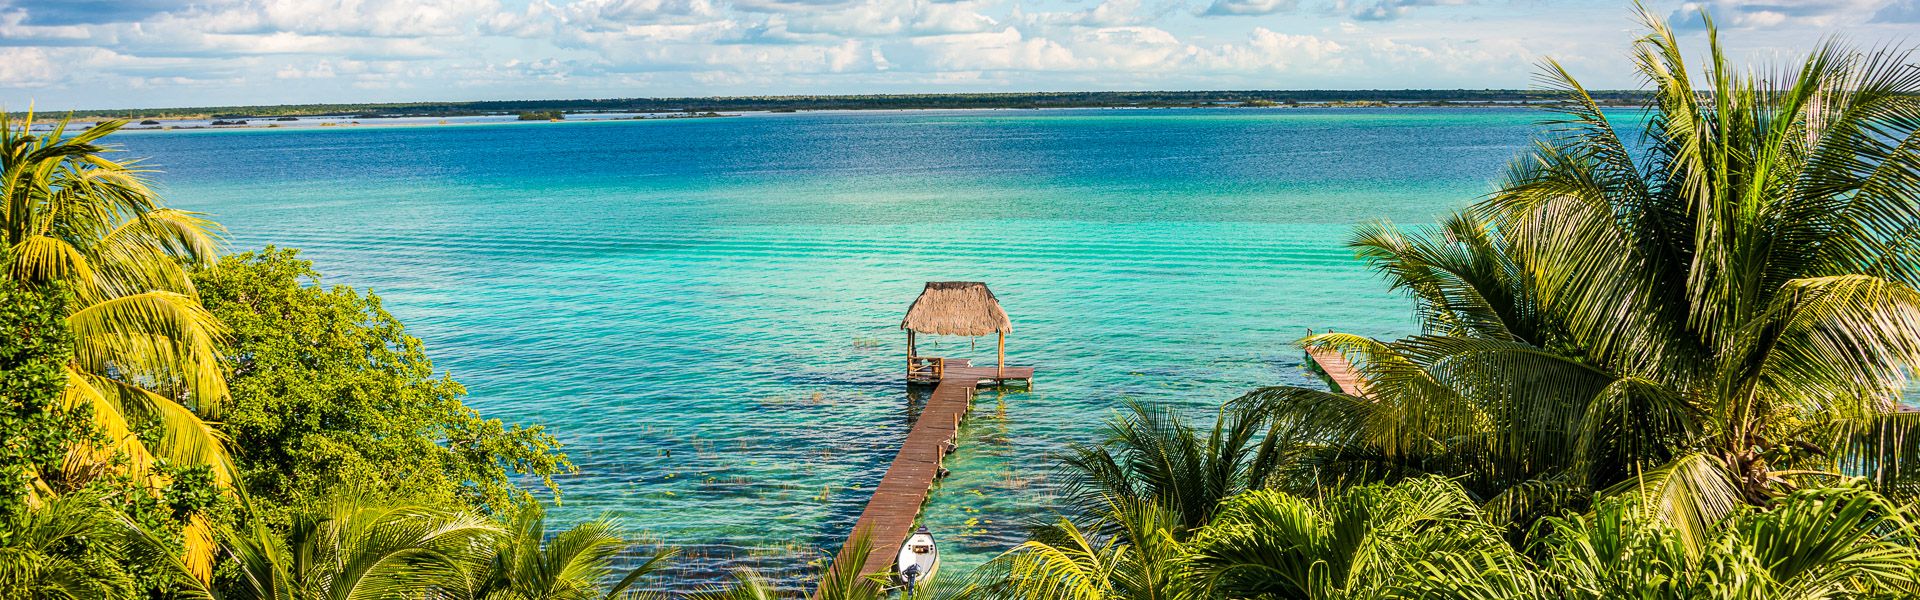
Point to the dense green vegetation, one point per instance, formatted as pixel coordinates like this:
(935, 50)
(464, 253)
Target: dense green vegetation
(873, 102)
(1669, 370)
(181, 425)
(338, 396)
(1664, 366)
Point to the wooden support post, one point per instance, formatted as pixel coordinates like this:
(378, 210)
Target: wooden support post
(910, 353)
(1001, 371)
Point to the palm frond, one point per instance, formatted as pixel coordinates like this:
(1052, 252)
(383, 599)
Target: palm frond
(1693, 494)
(161, 339)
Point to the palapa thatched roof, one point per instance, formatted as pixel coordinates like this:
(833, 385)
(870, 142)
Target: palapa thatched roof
(956, 308)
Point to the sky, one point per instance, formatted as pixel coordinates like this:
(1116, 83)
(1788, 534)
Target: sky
(82, 54)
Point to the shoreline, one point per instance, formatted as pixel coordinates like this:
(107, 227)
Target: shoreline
(330, 122)
(1456, 98)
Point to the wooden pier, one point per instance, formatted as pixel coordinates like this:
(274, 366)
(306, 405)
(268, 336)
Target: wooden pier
(962, 308)
(1342, 372)
(890, 514)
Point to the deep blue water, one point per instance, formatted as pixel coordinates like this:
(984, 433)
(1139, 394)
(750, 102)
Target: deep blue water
(705, 311)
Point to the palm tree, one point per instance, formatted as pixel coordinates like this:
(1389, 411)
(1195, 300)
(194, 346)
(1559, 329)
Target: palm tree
(350, 549)
(1133, 552)
(143, 344)
(524, 564)
(839, 578)
(1150, 455)
(1840, 542)
(1715, 316)
(145, 351)
(747, 584)
(1356, 544)
(67, 548)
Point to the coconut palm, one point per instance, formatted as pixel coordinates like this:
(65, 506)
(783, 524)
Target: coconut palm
(1713, 315)
(350, 549)
(1133, 552)
(525, 564)
(144, 349)
(839, 578)
(1840, 542)
(746, 584)
(1151, 455)
(346, 550)
(1354, 544)
(67, 548)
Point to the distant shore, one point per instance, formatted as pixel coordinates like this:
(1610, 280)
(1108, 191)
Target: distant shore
(191, 123)
(738, 104)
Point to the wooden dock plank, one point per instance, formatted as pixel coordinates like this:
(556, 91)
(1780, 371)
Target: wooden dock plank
(1342, 372)
(890, 513)
(894, 507)
(989, 373)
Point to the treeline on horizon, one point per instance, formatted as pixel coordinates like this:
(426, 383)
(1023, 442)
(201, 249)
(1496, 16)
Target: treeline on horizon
(869, 102)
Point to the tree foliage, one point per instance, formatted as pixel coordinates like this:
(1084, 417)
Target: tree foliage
(347, 548)
(36, 429)
(1151, 455)
(144, 354)
(1716, 314)
(1427, 538)
(331, 394)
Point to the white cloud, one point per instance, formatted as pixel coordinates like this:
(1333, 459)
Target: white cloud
(1110, 13)
(381, 18)
(27, 67)
(94, 52)
(867, 18)
(1006, 49)
(955, 17)
(1768, 14)
(1222, 8)
(1267, 50)
(173, 41)
(1384, 10)
(788, 6)
(15, 31)
(639, 11)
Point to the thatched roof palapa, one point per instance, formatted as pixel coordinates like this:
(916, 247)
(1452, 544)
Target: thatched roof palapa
(956, 308)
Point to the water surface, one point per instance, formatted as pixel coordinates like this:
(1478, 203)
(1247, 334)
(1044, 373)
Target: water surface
(705, 311)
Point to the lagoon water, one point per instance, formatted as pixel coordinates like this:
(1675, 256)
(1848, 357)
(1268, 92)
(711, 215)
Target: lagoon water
(705, 311)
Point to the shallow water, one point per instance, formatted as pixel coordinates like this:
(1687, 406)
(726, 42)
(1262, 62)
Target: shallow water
(705, 311)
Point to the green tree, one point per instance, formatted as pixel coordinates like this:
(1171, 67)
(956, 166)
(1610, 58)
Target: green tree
(61, 526)
(1355, 544)
(348, 548)
(1712, 318)
(1151, 455)
(144, 363)
(1839, 542)
(36, 429)
(526, 564)
(331, 394)
(1133, 551)
(838, 578)
(68, 547)
(144, 351)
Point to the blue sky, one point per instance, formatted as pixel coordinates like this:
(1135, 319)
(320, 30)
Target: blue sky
(61, 54)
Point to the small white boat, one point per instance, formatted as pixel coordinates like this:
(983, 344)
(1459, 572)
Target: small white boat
(919, 560)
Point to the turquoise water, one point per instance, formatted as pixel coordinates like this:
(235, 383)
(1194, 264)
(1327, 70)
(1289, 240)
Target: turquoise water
(705, 311)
